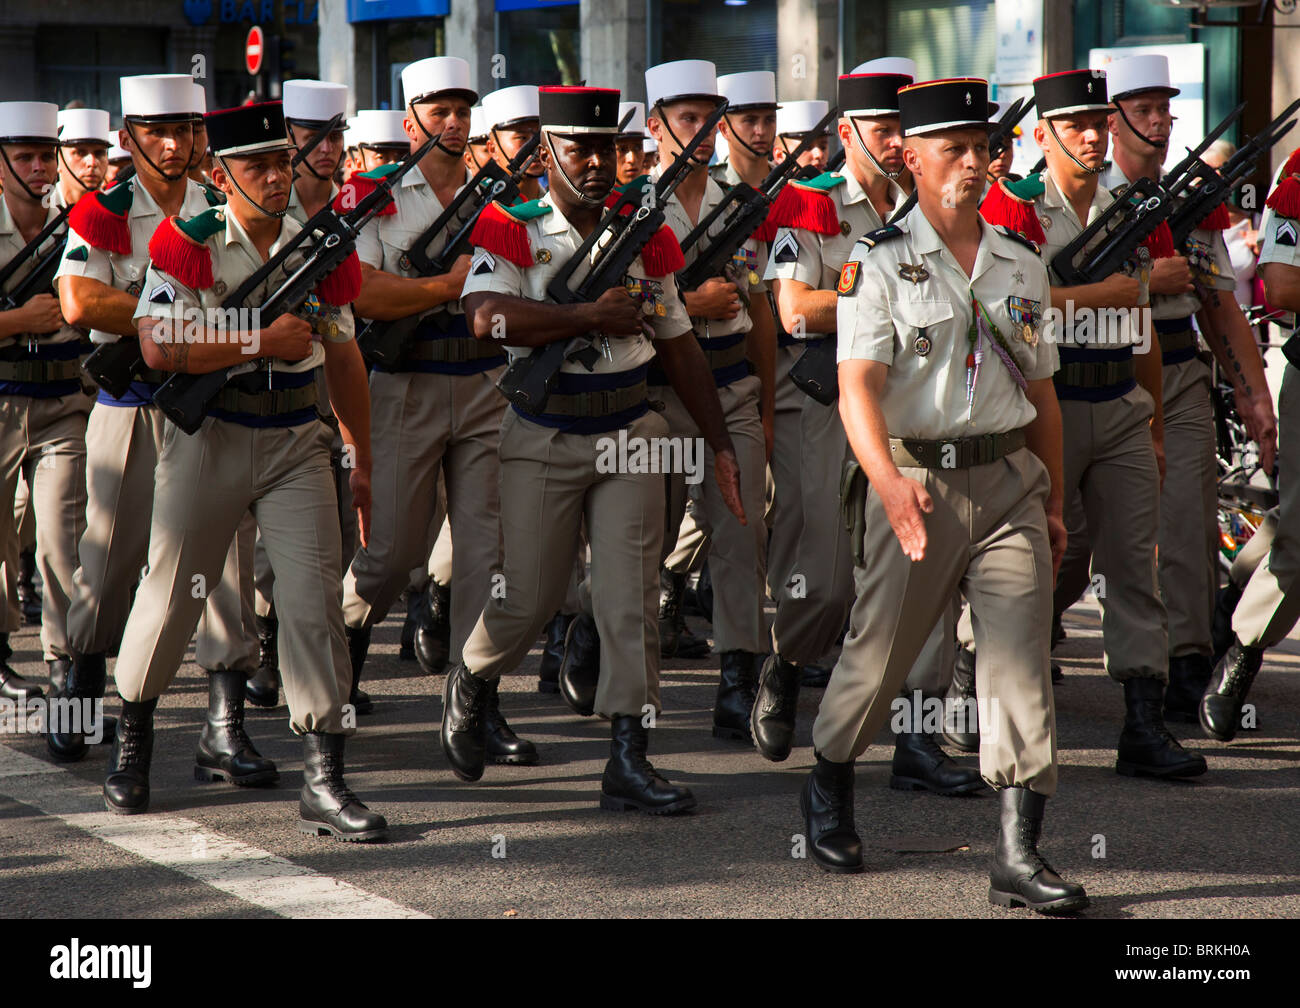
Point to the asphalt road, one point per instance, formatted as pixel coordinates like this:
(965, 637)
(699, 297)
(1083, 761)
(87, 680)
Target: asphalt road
(1221, 846)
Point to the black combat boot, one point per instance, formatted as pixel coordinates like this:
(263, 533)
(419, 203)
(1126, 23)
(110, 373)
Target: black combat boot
(827, 805)
(1189, 675)
(1146, 748)
(1220, 708)
(1019, 875)
(548, 671)
(263, 687)
(29, 599)
(433, 629)
(1221, 635)
(771, 720)
(86, 680)
(358, 646)
(225, 751)
(920, 764)
(126, 789)
(326, 805)
(464, 722)
(815, 676)
(59, 669)
(412, 600)
(503, 745)
(630, 783)
(675, 638)
(961, 719)
(580, 666)
(735, 699)
(698, 601)
(13, 686)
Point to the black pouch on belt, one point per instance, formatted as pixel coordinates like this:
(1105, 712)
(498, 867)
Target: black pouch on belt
(816, 373)
(853, 502)
(1291, 350)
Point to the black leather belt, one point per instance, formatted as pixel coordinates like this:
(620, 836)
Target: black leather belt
(1096, 374)
(597, 402)
(249, 395)
(958, 453)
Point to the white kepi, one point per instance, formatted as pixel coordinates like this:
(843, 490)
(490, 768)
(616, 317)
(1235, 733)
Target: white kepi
(158, 97)
(797, 117)
(84, 126)
(509, 107)
(313, 103)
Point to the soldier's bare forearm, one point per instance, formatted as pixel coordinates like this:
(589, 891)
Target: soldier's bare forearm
(1281, 285)
(1228, 335)
(349, 391)
(805, 308)
(93, 304)
(861, 383)
(1043, 437)
(517, 321)
(169, 346)
(760, 346)
(385, 296)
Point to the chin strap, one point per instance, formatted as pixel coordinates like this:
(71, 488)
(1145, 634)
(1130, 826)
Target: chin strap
(682, 146)
(126, 123)
(1159, 145)
(582, 197)
(892, 176)
(410, 108)
(734, 137)
(265, 212)
(64, 161)
(1070, 154)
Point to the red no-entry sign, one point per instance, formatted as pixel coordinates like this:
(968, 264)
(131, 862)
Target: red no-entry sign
(253, 49)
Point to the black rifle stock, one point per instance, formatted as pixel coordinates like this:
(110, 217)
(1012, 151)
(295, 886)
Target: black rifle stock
(186, 398)
(1000, 136)
(384, 342)
(41, 276)
(528, 381)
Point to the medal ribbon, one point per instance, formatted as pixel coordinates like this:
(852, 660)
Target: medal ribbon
(997, 341)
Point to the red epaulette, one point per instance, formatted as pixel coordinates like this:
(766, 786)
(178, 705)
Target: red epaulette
(1217, 219)
(1160, 242)
(662, 254)
(1285, 198)
(1002, 206)
(800, 207)
(176, 253)
(502, 235)
(100, 225)
(357, 188)
(342, 285)
(766, 232)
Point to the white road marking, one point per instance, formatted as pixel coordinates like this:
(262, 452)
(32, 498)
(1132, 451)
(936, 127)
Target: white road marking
(248, 873)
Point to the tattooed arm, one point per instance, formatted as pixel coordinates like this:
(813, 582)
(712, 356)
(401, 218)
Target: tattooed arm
(1230, 338)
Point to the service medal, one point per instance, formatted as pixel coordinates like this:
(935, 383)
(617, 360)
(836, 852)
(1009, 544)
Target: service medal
(922, 346)
(543, 255)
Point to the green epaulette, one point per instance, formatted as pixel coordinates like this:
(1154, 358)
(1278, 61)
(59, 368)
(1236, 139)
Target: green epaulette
(826, 181)
(524, 212)
(1028, 188)
(213, 195)
(203, 226)
(383, 171)
(118, 198)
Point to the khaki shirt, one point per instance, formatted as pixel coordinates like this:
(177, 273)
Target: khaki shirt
(11, 243)
(553, 241)
(1281, 240)
(745, 269)
(920, 327)
(1061, 225)
(1207, 256)
(816, 259)
(296, 210)
(384, 241)
(234, 259)
(126, 272)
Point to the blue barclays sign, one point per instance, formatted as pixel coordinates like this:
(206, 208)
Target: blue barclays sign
(261, 12)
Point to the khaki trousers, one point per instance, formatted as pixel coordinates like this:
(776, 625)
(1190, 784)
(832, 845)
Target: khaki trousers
(1109, 460)
(206, 484)
(423, 425)
(45, 441)
(987, 537)
(550, 483)
(813, 604)
(737, 555)
(123, 445)
(1270, 605)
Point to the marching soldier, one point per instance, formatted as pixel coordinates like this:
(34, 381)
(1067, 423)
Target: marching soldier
(1109, 385)
(794, 121)
(1270, 602)
(378, 137)
(819, 220)
(1200, 283)
(734, 327)
(83, 153)
(118, 159)
(649, 155)
(437, 410)
(511, 116)
(100, 280)
(264, 448)
(476, 152)
(42, 406)
(946, 393)
(550, 462)
(631, 142)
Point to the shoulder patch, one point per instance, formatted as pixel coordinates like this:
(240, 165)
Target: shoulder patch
(524, 212)
(849, 275)
(203, 226)
(786, 248)
(873, 238)
(1018, 238)
(79, 254)
(824, 182)
(1029, 188)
